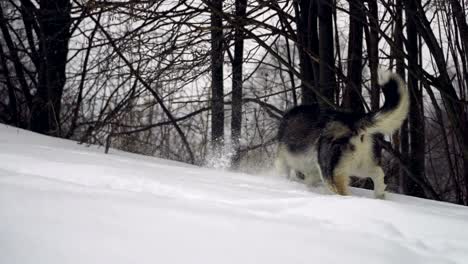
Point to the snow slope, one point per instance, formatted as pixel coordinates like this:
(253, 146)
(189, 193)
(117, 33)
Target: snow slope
(61, 202)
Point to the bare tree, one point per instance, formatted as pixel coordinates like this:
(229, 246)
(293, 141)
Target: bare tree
(237, 80)
(217, 86)
(326, 51)
(308, 44)
(353, 91)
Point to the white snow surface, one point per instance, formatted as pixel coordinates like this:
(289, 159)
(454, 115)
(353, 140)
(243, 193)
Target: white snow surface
(61, 202)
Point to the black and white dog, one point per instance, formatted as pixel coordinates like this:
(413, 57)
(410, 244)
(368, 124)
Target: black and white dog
(331, 146)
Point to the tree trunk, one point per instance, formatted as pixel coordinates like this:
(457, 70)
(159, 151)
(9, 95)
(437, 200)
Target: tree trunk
(460, 17)
(326, 52)
(54, 21)
(400, 69)
(217, 90)
(14, 57)
(353, 92)
(373, 52)
(308, 47)
(416, 113)
(372, 41)
(13, 115)
(236, 120)
(456, 111)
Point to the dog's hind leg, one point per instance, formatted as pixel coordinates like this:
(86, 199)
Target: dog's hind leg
(378, 177)
(341, 183)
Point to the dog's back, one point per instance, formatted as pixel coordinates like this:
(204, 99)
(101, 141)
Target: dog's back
(299, 128)
(302, 126)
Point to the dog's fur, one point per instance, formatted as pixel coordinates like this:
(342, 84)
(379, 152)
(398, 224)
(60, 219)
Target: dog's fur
(333, 145)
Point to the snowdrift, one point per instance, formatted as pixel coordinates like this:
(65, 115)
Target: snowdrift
(61, 202)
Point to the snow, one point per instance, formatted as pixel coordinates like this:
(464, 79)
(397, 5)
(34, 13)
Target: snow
(61, 202)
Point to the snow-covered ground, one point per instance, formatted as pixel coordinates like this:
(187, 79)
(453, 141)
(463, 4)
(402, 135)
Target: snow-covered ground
(61, 202)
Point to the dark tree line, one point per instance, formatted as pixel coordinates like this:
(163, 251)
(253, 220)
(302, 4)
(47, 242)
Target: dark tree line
(200, 80)
(34, 65)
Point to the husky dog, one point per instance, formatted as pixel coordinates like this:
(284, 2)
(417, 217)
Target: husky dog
(331, 146)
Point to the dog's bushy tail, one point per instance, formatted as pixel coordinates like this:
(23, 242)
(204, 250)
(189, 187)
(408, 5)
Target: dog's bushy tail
(395, 109)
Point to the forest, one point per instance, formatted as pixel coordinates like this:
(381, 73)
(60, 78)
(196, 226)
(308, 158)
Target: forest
(207, 81)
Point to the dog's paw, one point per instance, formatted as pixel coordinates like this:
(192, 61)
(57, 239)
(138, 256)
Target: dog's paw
(312, 183)
(380, 196)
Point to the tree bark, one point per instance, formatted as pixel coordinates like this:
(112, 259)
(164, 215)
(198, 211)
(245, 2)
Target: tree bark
(372, 41)
(373, 52)
(400, 69)
(460, 17)
(13, 54)
(308, 47)
(353, 91)
(416, 113)
(13, 117)
(217, 88)
(54, 21)
(326, 52)
(236, 120)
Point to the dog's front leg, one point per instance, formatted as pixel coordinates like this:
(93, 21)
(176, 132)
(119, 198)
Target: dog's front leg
(313, 177)
(282, 168)
(378, 177)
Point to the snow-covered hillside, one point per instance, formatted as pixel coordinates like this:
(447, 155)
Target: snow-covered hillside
(61, 202)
